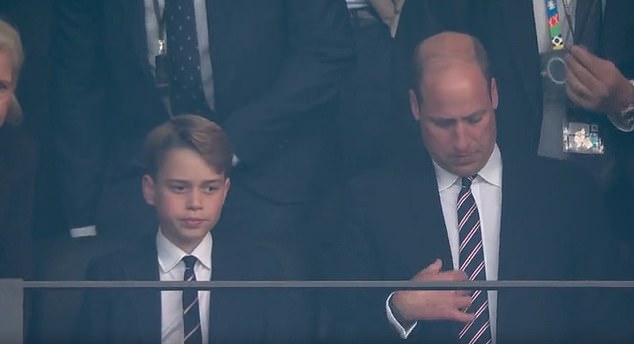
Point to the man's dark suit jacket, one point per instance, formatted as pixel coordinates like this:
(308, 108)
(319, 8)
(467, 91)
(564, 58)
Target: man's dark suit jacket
(277, 66)
(507, 30)
(551, 229)
(134, 316)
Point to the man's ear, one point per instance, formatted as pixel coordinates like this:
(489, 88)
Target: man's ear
(414, 104)
(148, 186)
(494, 94)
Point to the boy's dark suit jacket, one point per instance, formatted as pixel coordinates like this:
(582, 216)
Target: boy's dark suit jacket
(551, 229)
(134, 316)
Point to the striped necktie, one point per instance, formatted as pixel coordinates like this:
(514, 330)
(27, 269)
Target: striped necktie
(472, 263)
(191, 314)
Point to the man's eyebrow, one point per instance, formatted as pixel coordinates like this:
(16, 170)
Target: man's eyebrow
(213, 181)
(475, 114)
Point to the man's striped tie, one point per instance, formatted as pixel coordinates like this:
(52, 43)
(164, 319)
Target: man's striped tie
(472, 263)
(191, 313)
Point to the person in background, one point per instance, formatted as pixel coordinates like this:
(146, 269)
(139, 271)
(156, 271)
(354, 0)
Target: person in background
(18, 162)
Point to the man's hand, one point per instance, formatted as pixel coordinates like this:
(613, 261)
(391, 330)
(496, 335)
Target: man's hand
(596, 84)
(431, 304)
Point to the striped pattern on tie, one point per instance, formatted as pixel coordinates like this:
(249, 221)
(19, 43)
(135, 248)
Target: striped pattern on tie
(472, 263)
(191, 312)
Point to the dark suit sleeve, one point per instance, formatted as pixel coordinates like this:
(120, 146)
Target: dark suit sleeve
(78, 96)
(94, 322)
(321, 53)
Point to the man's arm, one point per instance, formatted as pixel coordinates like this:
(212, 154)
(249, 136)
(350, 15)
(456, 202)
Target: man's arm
(321, 54)
(78, 93)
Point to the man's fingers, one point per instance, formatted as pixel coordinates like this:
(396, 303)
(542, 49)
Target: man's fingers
(462, 302)
(575, 85)
(462, 292)
(453, 275)
(588, 60)
(582, 77)
(578, 99)
(460, 316)
(430, 270)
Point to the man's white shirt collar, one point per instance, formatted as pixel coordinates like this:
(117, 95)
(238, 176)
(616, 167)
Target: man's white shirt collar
(491, 172)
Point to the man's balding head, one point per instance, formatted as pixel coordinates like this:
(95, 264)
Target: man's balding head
(443, 50)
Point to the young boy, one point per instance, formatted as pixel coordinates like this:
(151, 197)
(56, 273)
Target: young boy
(188, 161)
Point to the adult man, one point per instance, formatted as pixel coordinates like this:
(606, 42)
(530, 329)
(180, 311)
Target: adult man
(466, 205)
(515, 34)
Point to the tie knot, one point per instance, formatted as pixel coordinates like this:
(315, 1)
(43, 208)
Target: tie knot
(466, 181)
(189, 261)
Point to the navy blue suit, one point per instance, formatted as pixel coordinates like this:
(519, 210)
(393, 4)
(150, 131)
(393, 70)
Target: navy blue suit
(134, 316)
(550, 230)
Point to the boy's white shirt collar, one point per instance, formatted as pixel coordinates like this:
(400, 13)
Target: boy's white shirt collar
(169, 254)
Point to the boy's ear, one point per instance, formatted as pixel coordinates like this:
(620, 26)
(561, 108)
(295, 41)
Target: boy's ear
(227, 187)
(147, 184)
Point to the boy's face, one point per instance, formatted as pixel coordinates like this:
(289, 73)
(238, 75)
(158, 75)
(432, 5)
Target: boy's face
(188, 196)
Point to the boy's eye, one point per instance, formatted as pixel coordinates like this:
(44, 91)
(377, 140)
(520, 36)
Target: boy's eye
(209, 189)
(178, 188)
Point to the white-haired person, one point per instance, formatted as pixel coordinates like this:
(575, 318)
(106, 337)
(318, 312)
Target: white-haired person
(17, 164)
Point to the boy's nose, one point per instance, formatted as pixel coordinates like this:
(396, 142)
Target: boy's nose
(194, 201)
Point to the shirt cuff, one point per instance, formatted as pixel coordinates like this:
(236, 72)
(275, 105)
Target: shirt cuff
(87, 231)
(403, 330)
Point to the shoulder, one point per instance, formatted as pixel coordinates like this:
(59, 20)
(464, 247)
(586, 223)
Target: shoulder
(19, 147)
(110, 266)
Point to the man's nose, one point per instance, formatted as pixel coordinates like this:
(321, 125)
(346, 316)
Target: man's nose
(461, 136)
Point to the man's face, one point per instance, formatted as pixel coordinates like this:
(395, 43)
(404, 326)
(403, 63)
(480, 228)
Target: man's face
(6, 85)
(457, 117)
(188, 196)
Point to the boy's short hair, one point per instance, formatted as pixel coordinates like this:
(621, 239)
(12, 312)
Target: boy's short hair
(192, 132)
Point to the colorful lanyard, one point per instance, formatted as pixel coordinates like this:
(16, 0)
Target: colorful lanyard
(554, 28)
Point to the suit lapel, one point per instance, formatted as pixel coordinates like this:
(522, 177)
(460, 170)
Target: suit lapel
(427, 238)
(146, 303)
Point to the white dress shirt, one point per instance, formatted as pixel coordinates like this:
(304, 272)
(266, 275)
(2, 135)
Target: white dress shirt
(172, 268)
(487, 192)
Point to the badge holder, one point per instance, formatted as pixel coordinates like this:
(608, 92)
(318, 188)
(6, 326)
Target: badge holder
(580, 135)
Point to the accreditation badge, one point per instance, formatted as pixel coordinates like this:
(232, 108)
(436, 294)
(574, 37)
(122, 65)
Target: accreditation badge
(583, 138)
